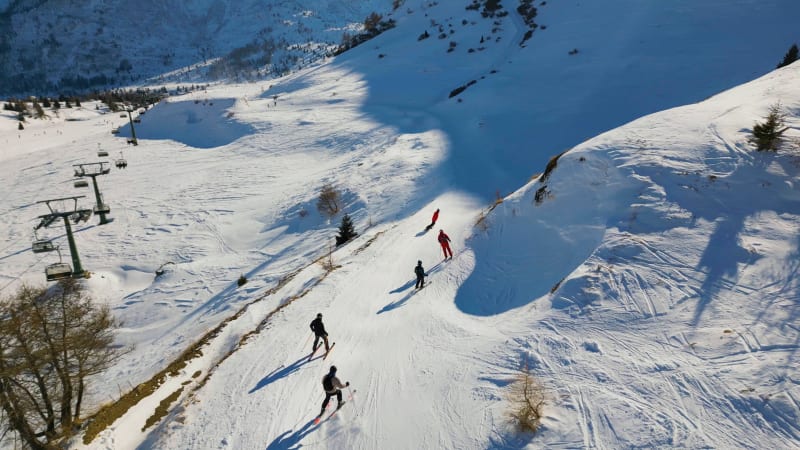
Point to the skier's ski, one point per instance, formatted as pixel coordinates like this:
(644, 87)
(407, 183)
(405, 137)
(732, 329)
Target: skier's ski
(423, 286)
(311, 356)
(329, 351)
(318, 419)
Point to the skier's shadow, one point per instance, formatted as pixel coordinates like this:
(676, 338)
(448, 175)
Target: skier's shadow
(292, 441)
(279, 373)
(423, 232)
(409, 284)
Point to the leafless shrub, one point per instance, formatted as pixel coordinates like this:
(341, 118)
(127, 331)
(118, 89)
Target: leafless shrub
(526, 397)
(327, 261)
(329, 201)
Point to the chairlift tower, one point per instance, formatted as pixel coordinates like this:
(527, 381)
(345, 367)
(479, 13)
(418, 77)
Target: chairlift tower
(77, 215)
(94, 170)
(133, 139)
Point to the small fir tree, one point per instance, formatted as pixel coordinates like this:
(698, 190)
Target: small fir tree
(790, 57)
(767, 135)
(346, 230)
(20, 127)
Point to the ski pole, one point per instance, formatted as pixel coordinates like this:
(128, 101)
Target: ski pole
(307, 339)
(350, 391)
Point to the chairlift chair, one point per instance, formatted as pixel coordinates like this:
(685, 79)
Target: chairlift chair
(81, 216)
(42, 246)
(81, 183)
(115, 131)
(137, 120)
(121, 163)
(102, 153)
(102, 209)
(123, 115)
(58, 271)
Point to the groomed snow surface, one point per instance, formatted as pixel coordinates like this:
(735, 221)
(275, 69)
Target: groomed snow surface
(652, 287)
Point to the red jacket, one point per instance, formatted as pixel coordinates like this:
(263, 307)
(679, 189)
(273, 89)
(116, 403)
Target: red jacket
(443, 238)
(435, 216)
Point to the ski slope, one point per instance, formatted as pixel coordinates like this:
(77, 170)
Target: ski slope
(653, 290)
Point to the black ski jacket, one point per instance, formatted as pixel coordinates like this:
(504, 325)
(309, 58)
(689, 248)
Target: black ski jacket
(318, 328)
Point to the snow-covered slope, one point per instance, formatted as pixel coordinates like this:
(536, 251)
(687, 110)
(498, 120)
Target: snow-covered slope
(669, 246)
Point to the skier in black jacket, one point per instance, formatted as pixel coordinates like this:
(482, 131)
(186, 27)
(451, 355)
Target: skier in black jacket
(319, 332)
(420, 272)
(333, 386)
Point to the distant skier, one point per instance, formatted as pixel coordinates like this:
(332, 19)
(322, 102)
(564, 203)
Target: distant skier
(333, 386)
(420, 272)
(444, 241)
(433, 220)
(319, 332)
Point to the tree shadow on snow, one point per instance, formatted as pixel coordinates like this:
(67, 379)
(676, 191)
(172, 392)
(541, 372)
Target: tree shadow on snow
(291, 441)
(515, 442)
(279, 373)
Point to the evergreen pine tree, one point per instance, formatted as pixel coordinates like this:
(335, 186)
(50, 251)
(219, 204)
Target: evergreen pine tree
(790, 57)
(346, 230)
(20, 127)
(767, 135)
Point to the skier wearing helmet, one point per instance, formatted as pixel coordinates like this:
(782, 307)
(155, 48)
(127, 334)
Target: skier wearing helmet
(420, 272)
(318, 328)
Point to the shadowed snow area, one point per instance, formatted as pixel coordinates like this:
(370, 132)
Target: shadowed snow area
(199, 123)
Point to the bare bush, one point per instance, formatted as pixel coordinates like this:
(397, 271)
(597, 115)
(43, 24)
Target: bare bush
(326, 262)
(372, 21)
(329, 201)
(526, 397)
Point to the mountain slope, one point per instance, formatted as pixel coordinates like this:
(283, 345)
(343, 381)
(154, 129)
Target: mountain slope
(68, 46)
(674, 330)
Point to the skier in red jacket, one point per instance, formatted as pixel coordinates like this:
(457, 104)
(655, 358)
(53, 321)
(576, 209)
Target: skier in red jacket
(433, 219)
(444, 241)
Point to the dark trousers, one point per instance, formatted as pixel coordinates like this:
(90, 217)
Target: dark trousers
(328, 396)
(324, 339)
(420, 281)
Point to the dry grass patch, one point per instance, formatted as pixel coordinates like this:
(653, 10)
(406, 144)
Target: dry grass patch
(162, 409)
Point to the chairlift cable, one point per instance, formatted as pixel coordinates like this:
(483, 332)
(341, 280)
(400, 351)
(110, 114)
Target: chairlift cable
(23, 273)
